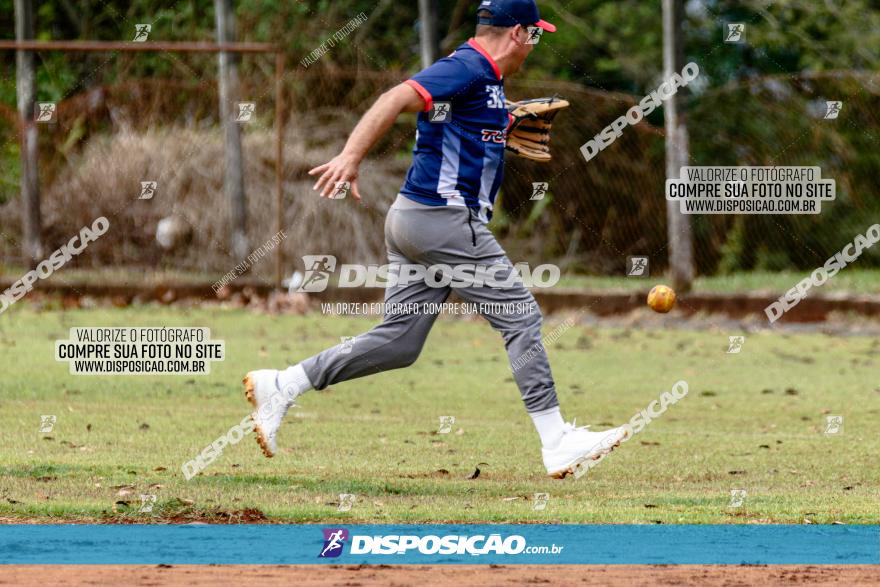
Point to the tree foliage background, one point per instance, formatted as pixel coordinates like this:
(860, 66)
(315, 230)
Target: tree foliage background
(754, 104)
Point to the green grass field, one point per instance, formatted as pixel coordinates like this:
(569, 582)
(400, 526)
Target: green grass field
(853, 280)
(751, 421)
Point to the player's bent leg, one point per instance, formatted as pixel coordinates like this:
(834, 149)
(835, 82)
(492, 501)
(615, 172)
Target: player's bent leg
(511, 309)
(393, 344)
(564, 446)
(410, 312)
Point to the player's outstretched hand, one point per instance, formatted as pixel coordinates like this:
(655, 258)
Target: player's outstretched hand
(342, 168)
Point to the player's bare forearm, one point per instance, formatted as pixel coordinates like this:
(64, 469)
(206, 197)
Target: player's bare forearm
(379, 118)
(375, 123)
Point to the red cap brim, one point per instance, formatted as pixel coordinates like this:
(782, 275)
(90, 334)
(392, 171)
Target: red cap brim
(546, 26)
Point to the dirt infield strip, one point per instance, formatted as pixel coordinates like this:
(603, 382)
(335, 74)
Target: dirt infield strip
(419, 576)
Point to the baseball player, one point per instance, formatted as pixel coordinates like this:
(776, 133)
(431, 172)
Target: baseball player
(439, 219)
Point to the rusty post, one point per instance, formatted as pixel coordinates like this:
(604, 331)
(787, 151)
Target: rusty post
(279, 164)
(122, 46)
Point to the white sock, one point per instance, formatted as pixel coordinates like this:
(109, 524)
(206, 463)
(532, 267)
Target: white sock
(550, 426)
(293, 381)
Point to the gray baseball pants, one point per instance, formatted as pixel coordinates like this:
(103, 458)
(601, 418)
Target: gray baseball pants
(450, 236)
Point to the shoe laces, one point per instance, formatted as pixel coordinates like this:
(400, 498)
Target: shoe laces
(571, 427)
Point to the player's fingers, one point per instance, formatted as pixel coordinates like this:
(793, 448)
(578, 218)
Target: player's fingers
(320, 182)
(318, 169)
(354, 190)
(319, 185)
(330, 186)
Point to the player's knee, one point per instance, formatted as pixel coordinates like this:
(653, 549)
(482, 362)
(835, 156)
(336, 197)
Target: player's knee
(528, 320)
(526, 327)
(406, 350)
(407, 355)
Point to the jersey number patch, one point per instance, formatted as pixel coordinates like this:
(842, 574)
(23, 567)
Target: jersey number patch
(496, 97)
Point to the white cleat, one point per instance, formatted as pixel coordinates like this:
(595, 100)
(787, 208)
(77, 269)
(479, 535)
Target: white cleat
(270, 405)
(581, 448)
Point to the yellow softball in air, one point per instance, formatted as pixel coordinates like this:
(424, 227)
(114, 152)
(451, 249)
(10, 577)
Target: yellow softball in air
(661, 298)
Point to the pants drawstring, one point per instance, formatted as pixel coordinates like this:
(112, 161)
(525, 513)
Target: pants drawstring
(471, 226)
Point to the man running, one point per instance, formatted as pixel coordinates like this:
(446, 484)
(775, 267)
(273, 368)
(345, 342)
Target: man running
(439, 219)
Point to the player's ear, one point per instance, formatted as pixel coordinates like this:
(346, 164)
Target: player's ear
(516, 34)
